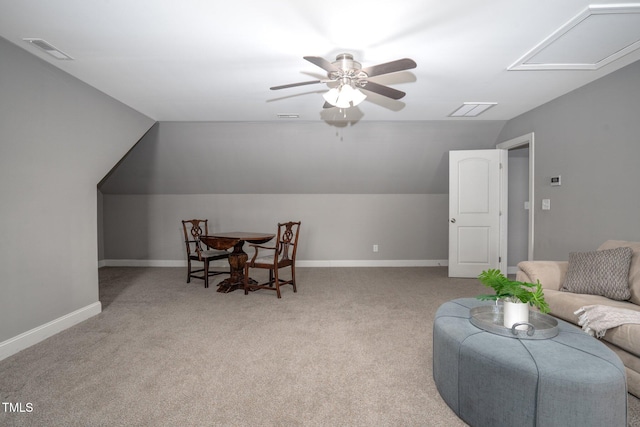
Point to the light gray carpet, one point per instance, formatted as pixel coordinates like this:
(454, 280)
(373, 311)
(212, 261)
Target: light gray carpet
(351, 348)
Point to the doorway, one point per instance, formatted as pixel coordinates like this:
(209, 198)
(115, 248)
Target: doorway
(518, 147)
(491, 249)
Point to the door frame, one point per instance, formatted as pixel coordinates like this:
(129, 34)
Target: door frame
(521, 141)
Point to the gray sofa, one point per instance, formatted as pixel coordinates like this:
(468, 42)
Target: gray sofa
(624, 340)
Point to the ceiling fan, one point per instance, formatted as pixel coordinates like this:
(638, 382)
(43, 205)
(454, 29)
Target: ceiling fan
(345, 78)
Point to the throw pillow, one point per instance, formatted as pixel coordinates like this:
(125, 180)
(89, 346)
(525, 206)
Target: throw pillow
(603, 273)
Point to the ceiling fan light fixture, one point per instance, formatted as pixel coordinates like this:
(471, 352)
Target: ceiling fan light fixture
(356, 96)
(332, 96)
(346, 77)
(342, 102)
(344, 96)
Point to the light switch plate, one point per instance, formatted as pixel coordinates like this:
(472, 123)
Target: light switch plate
(546, 204)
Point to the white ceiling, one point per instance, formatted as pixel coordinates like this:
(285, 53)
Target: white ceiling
(199, 60)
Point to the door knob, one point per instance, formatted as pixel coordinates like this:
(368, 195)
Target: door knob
(453, 220)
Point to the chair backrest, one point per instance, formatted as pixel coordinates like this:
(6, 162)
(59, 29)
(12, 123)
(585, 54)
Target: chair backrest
(193, 229)
(288, 240)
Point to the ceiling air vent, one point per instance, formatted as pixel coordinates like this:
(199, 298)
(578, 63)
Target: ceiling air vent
(472, 109)
(48, 48)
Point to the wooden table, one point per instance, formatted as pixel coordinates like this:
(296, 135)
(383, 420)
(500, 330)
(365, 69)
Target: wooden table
(238, 258)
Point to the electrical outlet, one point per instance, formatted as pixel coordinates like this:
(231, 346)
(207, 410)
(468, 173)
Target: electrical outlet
(375, 248)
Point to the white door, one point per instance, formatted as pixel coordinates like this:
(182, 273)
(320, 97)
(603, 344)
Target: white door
(477, 211)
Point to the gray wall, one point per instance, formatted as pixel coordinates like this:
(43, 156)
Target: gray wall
(335, 227)
(59, 138)
(372, 183)
(297, 157)
(591, 137)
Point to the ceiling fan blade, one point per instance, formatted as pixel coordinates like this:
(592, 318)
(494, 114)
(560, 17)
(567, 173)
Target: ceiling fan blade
(322, 63)
(296, 84)
(387, 91)
(390, 67)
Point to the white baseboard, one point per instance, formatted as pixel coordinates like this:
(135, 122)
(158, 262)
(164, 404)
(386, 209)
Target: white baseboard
(299, 263)
(149, 263)
(42, 332)
(374, 263)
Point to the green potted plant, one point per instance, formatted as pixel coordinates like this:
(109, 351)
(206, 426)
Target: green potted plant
(517, 296)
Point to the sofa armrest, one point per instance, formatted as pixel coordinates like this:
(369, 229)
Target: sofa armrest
(550, 273)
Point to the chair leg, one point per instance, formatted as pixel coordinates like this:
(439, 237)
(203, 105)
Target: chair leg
(206, 273)
(246, 279)
(189, 270)
(293, 277)
(270, 278)
(277, 282)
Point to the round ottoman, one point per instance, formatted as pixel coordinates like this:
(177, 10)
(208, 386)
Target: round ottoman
(571, 379)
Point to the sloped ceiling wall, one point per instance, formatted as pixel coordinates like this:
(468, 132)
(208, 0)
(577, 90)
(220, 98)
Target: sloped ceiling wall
(297, 158)
(59, 137)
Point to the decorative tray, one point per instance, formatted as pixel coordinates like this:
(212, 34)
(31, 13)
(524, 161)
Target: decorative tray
(491, 317)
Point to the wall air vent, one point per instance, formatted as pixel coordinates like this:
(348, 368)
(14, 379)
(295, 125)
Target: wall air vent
(472, 109)
(48, 48)
(594, 38)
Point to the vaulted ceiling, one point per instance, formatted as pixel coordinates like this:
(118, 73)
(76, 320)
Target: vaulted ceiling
(196, 60)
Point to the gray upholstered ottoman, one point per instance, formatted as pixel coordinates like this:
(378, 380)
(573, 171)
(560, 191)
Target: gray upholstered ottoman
(571, 379)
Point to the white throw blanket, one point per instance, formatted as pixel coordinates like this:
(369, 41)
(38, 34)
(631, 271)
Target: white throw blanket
(596, 319)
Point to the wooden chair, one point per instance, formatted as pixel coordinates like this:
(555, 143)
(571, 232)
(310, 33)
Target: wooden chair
(192, 232)
(284, 255)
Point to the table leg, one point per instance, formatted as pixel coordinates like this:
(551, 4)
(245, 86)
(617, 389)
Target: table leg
(237, 260)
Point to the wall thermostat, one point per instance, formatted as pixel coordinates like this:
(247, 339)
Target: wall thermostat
(555, 181)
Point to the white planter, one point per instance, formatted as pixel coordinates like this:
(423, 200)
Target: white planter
(516, 312)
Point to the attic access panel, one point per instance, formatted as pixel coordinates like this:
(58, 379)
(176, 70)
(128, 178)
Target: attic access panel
(594, 38)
